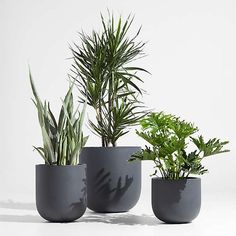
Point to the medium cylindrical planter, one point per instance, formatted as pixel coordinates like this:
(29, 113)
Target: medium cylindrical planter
(176, 201)
(61, 192)
(114, 184)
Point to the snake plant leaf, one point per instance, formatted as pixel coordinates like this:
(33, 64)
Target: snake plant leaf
(40, 150)
(62, 140)
(48, 145)
(37, 100)
(62, 116)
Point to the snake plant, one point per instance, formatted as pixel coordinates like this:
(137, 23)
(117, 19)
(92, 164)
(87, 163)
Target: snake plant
(63, 139)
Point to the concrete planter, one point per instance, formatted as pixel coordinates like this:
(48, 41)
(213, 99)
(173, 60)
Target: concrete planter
(61, 192)
(176, 201)
(114, 184)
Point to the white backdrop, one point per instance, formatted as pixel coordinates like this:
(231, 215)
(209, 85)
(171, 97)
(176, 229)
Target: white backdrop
(191, 53)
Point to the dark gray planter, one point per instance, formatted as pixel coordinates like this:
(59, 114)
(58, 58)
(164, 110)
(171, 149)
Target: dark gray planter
(114, 184)
(176, 201)
(61, 192)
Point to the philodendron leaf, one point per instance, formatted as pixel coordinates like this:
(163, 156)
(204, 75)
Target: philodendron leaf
(169, 137)
(211, 147)
(145, 155)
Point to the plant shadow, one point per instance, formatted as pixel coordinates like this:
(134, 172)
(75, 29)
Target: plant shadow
(108, 190)
(102, 185)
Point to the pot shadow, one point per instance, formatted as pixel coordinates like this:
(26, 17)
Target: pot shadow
(10, 204)
(120, 219)
(117, 219)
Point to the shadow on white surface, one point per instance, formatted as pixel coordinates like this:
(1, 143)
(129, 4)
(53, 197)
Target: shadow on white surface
(19, 218)
(22, 219)
(89, 217)
(120, 219)
(10, 204)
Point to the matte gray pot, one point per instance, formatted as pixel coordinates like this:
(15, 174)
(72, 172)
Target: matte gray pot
(114, 184)
(61, 192)
(176, 201)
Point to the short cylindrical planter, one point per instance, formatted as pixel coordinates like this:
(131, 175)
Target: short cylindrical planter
(114, 184)
(176, 201)
(61, 192)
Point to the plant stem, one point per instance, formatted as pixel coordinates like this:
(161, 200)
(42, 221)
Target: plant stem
(99, 119)
(110, 103)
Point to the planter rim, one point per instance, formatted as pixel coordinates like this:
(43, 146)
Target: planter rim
(175, 180)
(116, 147)
(61, 166)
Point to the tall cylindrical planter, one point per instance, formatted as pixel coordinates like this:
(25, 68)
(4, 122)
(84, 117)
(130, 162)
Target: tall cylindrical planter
(61, 192)
(176, 201)
(114, 184)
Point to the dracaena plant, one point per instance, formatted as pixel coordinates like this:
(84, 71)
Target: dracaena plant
(63, 139)
(169, 137)
(108, 80)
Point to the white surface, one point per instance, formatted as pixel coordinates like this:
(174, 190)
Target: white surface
(217, 217)
(191, 54)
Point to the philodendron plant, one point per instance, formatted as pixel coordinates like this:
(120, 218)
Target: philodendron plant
(63, 139)
(169, 137)
(105, 77)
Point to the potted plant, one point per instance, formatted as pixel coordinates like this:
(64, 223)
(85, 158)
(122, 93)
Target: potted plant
(61, 181)
(106, 79)
(176, 195)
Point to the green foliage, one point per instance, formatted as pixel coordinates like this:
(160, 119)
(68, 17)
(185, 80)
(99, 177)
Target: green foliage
(169, 137)
(62, 140)
(105, 78)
